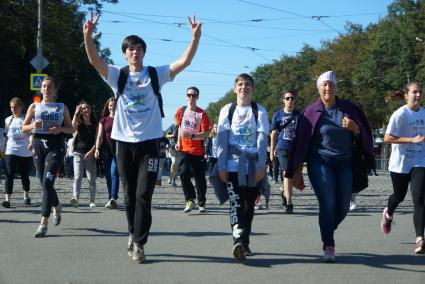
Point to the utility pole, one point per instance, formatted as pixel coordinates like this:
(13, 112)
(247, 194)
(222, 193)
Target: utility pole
(40, 36)
(39, 62)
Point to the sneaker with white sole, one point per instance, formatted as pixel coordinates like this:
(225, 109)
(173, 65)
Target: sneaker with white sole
(27, 201)
(420, 246)
(353, 205)
(74, 202)
(190, 204)
(138, 253)
(329, 254)
(41, 231)
(108, 205)
(92, 205)
(239, 251)
(130, 245)
(114, 204)
(201, 207)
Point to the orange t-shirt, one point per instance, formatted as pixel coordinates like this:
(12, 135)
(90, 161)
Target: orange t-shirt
(192, 122)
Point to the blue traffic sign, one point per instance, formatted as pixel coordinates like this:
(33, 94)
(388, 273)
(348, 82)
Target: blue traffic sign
(35, 81)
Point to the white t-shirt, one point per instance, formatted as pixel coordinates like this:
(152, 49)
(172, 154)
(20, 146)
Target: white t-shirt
(17, 141)
(137, 115)
(70, 147)
(405, 122)
(243, 133)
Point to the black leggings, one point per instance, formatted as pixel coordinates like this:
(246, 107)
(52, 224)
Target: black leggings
(49, 151)
(417, 188)
(400, 187)
(416, 178)
(138, 168)
(23, 165)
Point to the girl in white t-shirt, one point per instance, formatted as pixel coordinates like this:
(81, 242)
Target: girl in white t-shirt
(406, 134)
(17, 154)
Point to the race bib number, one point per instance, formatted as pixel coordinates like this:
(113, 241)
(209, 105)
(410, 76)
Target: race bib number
(153, 165)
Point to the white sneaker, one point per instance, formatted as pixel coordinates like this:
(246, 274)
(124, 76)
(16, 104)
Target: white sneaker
(353, 205)
(92, 205)
(257, 206)
(108, 205)
(189, 206)
(114, 203)
(202, 209)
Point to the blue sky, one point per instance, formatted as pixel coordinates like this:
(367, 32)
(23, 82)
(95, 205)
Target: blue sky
(237, 36)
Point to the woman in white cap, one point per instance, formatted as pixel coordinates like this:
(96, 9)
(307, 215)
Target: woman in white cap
(325, 135)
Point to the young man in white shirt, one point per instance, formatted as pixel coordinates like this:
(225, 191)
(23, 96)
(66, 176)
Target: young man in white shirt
(242, 152)
(138, 125)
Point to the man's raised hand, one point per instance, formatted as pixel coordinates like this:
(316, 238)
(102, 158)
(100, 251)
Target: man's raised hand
(90, 25)
(195, 26)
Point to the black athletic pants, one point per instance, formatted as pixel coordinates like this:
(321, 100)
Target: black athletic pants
(242, 202)
(138, 168)
(23, 166)
(49, 151)
(188, 163)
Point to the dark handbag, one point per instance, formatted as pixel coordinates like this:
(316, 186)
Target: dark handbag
(360, 169)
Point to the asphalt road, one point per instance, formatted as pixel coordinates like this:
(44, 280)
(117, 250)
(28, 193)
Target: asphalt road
(89, 246)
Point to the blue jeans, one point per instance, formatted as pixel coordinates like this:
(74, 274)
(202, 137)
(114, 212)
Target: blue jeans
(112, 177)
(332, 181)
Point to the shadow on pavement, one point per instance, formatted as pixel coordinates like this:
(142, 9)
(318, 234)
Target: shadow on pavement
(372, 260)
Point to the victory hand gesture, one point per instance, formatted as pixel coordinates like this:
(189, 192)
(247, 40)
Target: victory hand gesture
(195, 27)
(90, 25)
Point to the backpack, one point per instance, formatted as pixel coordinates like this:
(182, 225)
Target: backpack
(294, 113)
(122, 80)
(181, 115)
(232, 109)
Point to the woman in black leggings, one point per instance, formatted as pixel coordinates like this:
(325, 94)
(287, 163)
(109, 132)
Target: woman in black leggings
(18, 157)
(45, 120)
(406, 133)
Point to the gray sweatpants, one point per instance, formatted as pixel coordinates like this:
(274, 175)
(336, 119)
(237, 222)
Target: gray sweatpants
(90, 166)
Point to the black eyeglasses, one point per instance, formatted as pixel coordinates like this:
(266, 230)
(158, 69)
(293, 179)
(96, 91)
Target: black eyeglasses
(191, 95)
(290, 98)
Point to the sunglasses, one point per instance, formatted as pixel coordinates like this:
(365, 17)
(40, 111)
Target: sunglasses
(290, 98)
(191, 95)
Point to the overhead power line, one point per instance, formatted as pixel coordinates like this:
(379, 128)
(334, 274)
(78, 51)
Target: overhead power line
(292, 13)
(203, 34)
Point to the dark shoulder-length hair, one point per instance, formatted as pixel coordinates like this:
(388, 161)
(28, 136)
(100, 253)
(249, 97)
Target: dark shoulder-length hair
(93, 120)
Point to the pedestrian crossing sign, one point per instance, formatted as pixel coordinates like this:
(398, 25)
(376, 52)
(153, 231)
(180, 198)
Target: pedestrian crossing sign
(35, 81)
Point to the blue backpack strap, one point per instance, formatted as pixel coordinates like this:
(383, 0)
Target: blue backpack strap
(155, 86)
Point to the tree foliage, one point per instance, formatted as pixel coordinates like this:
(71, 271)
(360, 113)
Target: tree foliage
(369, 62)
(62, 46)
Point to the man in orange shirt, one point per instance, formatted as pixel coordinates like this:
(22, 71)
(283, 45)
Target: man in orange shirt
(194, 127)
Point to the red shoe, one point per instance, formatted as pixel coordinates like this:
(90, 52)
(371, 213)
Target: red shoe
(386, 221)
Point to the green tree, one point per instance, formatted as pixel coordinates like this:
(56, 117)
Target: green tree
(62, 46)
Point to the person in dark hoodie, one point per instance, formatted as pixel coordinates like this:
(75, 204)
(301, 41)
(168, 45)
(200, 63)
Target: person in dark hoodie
(325, 137)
